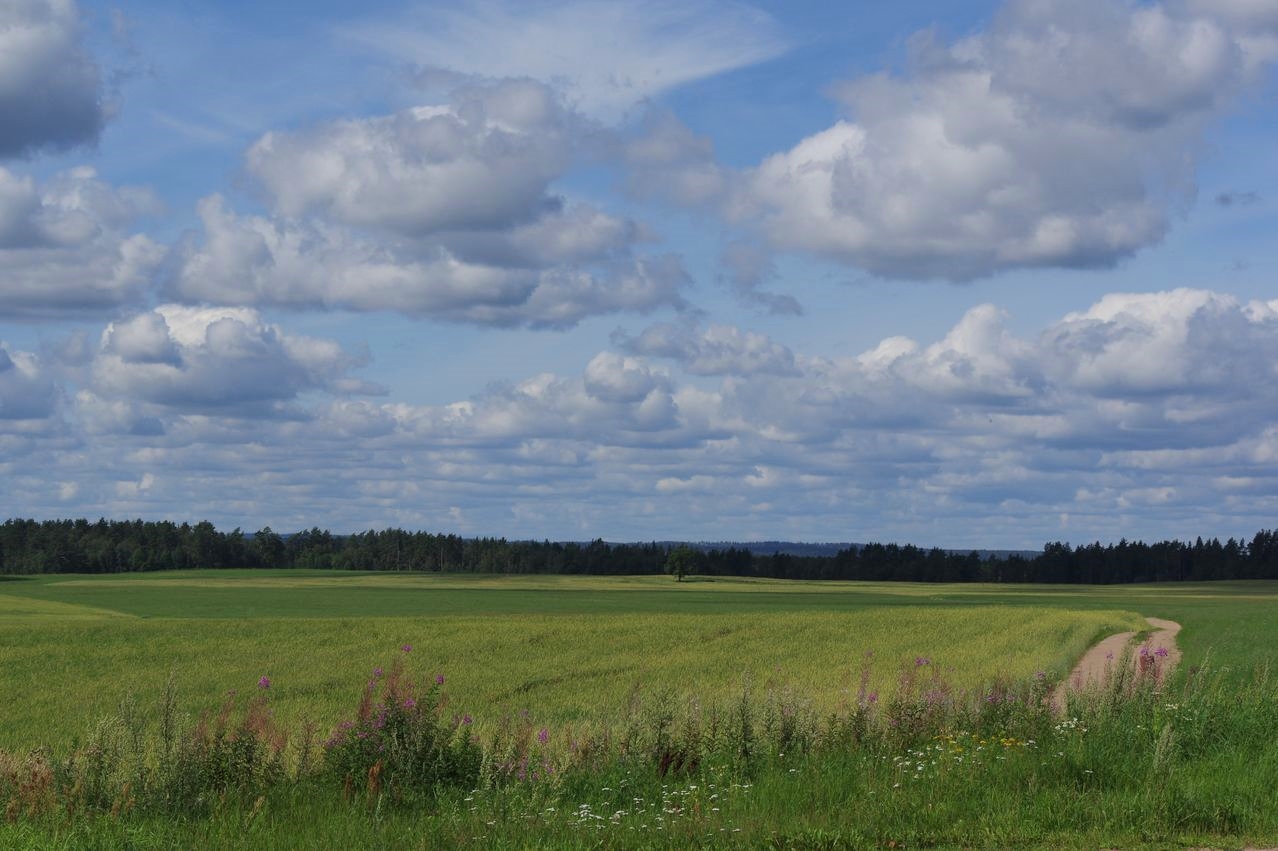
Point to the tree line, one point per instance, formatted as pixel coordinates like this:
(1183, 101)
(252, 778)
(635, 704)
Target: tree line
(111, 546)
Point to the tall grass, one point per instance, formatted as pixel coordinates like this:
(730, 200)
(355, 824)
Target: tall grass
(1139, 761)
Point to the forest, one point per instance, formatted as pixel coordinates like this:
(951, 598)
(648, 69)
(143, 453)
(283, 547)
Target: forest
(111, 546)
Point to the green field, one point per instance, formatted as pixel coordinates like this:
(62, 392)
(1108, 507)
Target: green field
(571, 655)
(568, 649)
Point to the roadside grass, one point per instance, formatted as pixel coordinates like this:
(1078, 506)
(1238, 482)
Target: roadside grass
(1142, 764)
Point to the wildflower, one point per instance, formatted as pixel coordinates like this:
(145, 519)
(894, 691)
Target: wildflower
(920, 661)
(467, 720)
(409, 703)
(264, 682)
(407, 648)
(1160, 652)
(439, 679)
(543, 735)
(377, 672)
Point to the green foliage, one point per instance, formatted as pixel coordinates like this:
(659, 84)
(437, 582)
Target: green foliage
(682, 561)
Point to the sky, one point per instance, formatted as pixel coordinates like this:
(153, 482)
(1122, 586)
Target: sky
(984, 274)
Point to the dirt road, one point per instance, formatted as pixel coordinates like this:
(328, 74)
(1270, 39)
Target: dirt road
(1158, 651)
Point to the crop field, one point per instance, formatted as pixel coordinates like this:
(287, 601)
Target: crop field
(606, 681)
(563, 649)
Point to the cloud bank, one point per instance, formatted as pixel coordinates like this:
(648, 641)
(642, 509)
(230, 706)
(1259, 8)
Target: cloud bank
(1159, 399)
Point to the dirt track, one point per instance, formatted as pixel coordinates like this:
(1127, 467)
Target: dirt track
(1098, 663)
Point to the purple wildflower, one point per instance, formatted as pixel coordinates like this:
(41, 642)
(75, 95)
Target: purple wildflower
(264, 682)
(543, 735)
(409, 703)
(920, 661)
(1161, 651)
(407, 648)
(439, 679)
(467, 720)
(377, 672)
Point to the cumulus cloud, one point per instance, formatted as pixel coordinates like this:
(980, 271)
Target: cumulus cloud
(256, 260)
(216, 359)
(481, 162)
(1158, 399)
(446, 212)
(65, 246)
(1064, 135)
(50, 87)
(605, 55)
(716, 350)
(1189, 342)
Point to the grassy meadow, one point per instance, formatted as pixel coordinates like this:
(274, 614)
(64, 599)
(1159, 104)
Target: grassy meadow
(816, 714)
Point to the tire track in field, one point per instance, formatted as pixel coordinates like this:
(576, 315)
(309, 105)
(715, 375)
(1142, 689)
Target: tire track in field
(1158, 651)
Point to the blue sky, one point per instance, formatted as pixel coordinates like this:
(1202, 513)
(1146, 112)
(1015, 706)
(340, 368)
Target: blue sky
(980, 274)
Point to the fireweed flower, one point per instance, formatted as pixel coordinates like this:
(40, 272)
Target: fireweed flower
(439, 679)
(377, 672)
(409, 703)
(543, 735)
(407, 648)
(264, 682)
(1161, 651)
(467, 720)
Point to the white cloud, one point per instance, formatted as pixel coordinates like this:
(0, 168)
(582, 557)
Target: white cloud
(1064, 135)
(216, 359)
(1144, 415)
(65, 247)
(605, 55)
(50, 88)
(482, 162)
(255, 260)
(716, 350)
(445, 212)
(1131, 345)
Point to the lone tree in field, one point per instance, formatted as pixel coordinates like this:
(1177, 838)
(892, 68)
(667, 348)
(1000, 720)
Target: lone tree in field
(681, 561)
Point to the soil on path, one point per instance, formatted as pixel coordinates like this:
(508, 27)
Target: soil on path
(1094, 669)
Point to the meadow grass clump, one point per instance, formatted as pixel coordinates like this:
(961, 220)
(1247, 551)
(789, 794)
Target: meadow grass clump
(401, 742)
